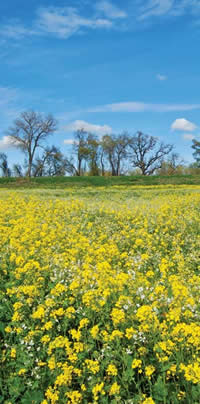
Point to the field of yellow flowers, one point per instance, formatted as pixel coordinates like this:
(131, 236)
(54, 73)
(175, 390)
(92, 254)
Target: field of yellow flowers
(100, 296)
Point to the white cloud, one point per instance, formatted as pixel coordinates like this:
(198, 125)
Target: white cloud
(188, 136)
(156, 8)
(110, 10)
(183, 125)
(133, 106)
(6, 142)
(64, 22)
(176, 8)
(99, 130)
(182, 7)
(15, 30)
(68, 141)
(161, 77)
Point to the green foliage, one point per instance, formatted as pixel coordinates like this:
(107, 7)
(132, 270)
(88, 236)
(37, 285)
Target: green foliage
(196, 148)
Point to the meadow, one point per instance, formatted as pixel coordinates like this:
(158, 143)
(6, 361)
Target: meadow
(99, 290)
(97, 181)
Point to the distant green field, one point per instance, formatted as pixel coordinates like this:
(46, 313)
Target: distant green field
(64, 182)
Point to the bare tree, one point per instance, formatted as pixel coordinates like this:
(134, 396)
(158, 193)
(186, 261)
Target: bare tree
(28, 133)
(17, 170)
(147, 152)
(101, 157)
(6, 172)
(70, 166)
(51, 163)
(115, 148)
(56, 162)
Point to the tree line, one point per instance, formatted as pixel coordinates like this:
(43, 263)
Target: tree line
(114, 155)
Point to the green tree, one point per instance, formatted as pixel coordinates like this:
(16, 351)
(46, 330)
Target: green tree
(81, 152)
(196, 148)
(174, 164)
(93, 154)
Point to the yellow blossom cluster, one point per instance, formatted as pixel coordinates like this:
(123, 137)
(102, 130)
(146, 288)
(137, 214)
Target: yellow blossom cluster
(100, 295)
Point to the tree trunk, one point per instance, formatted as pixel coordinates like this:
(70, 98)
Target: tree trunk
(102, 166)
(29, 169)
(79, 167)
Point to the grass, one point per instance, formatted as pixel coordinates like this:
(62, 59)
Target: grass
(65, 182)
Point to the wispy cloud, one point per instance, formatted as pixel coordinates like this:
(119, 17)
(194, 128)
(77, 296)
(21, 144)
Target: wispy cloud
(68, 141)
(66, 21)
(161, 77)
(110, 10)
(183, 124)
(155, 8)
(6, 143)
(9, 102)
(7, 95)
(16, 30)
(158, 8)
(143, 107)
(62, 22)
(11, 105)
(98, 130)
(188, 136)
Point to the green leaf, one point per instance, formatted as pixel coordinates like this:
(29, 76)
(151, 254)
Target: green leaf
(32, 397)
(196, 392)
(159, 390)
(2, 329)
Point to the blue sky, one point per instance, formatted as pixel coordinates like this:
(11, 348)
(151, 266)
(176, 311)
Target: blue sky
(107, 66)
